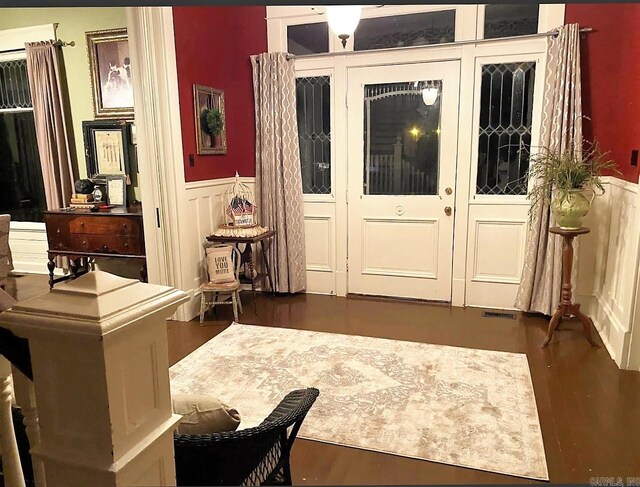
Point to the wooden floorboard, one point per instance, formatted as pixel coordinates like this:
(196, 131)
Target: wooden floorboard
(589, 409)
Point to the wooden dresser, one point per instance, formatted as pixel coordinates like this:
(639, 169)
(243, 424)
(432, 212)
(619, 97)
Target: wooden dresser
(83, 236)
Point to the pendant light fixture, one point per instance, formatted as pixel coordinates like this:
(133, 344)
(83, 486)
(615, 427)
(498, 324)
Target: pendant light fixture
(343, 20)
(429, 94)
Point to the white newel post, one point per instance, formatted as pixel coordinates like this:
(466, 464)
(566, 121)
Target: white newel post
(101, 380)
(10, 458)
(26, 398)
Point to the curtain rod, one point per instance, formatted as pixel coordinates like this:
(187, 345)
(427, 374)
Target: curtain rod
(583, 30)
(55, 43)
(60, 43)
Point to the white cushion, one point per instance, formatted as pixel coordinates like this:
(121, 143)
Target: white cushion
(220, 264)
(203, 414)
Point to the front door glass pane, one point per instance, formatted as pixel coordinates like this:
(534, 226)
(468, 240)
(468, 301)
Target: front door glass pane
(402, 138)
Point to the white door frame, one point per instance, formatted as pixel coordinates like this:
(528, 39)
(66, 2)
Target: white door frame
(157, 115)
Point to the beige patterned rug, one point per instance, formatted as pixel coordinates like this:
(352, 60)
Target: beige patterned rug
(460, 406)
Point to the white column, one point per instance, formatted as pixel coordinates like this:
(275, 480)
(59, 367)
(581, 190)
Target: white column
(100, 367)
(10, 458)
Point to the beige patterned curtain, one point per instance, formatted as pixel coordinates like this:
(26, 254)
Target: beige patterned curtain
(540, 285)
(43, 68)
(278, 174)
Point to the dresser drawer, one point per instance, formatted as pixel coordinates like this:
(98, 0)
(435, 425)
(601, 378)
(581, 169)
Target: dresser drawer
(105, 225)
(106, 244)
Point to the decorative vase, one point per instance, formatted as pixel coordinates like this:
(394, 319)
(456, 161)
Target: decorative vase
(569, 208)
(216, 140)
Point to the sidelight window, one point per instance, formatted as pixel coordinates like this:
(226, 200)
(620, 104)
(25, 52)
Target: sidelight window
(313, 103)
(506, 109)
(21, 185)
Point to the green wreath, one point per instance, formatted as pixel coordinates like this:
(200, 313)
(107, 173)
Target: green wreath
(211, 121)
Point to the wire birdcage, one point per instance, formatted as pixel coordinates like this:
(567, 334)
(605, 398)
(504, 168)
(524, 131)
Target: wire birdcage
(238, 205)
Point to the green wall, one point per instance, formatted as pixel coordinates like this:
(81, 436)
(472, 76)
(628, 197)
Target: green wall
(72, 22)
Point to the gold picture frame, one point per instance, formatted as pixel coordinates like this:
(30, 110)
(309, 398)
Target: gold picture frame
(110, 70)
(205, 97)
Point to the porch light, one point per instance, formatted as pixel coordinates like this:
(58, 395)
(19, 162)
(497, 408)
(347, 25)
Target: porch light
(429, 95)
(343, 20)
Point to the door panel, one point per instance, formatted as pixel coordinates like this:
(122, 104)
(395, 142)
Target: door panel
(402, 135)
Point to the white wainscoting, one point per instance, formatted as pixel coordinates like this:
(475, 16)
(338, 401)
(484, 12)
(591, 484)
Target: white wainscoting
(495, 254)
(28, 243)
(608, 265)
(203, 216)
(320, 246)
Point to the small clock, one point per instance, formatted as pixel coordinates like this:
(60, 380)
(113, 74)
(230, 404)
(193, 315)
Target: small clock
(98, 194)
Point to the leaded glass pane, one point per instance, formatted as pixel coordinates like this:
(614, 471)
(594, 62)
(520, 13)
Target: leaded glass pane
(313, 102)
(308, 38)
(402, 138)
(15, 85)
(405, 30)
(507, 20)
(506, 106)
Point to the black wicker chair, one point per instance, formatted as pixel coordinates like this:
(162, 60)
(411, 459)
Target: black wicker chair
(252, 456)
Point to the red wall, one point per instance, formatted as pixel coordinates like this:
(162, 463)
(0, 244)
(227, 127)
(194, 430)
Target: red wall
(611, 78)
(213, 45)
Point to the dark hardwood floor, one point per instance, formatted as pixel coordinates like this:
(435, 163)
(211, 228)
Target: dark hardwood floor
(589, 409)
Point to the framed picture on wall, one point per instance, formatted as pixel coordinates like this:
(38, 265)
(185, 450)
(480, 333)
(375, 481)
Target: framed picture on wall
(107, 147)
(110, 68)
(210, 123)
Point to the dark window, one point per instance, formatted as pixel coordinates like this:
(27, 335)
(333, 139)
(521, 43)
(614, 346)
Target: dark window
(405, 30)
(508, 20)
(21, 186)
(308, 38)
(313, 103)
(506, 106)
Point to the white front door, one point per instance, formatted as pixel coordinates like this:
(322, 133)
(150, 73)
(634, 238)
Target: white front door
(402, 137)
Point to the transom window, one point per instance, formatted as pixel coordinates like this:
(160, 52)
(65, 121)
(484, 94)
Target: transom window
(508, 20)
(405, 30)
(308, 38)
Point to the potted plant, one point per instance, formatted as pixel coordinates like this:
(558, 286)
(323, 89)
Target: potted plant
(212, 124)
(561, 178)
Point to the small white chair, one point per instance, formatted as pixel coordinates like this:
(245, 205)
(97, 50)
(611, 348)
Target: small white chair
(211, 288)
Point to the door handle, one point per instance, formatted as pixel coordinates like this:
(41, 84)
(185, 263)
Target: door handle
(447, 210)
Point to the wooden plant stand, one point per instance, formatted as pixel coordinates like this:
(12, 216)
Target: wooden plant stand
(567, 308)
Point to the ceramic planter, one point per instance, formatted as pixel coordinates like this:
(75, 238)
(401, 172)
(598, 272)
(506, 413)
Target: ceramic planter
(570, 208)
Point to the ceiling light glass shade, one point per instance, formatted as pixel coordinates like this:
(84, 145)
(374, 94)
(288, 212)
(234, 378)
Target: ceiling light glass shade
(429, 96)
(343, 20)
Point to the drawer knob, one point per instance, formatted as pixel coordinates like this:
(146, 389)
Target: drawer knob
(84, 242)
(124, 226)
(82, 224)
(58, 231)
(126, 245)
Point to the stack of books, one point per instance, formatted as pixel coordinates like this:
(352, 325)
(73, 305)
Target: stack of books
(82, 202)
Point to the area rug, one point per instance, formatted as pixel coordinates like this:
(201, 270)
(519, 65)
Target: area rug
(459, 406)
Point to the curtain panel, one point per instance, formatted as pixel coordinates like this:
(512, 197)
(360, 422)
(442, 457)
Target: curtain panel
(44, 70)
(561, 130)
(278, 173)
